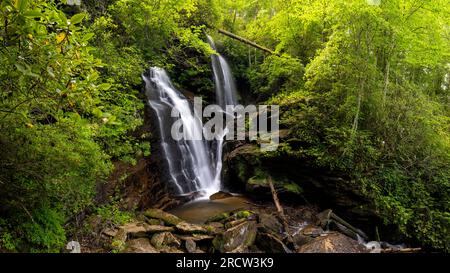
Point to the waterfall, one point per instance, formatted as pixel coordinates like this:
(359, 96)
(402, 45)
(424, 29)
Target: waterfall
(194, 164)
(223, 79)
(190, 164)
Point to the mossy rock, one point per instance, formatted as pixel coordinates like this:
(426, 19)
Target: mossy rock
(154, 222)
(292, 187)
(167, 218)
(221, 217)
(258, 180)
(243, 214)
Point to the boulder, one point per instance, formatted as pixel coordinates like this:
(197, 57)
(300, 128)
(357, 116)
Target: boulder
(74, 247)
(220, 195)
(215, 227)
(134, 229)
(234, 223)
(269, 223)
(141, 245)
(300, 239)
(311, 231)
(140, 229)
(332, 243)
(270, 243)
(247, 214)
(157, 228)
(185, 227)
(167, 218)
(190, 246)
(240, 236)
(221, 217)
(110, 232)
(165, 239)
(120, 237)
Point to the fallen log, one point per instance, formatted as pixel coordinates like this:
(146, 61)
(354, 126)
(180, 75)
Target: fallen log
(401, 250)
(328, 216)
(246, 41)
(281, 214)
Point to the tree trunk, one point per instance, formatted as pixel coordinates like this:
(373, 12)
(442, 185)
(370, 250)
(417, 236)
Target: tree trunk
(246, 41)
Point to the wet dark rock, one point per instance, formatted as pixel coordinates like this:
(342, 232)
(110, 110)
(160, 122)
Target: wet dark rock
(270, 243)
(300, 239)
(269, 223)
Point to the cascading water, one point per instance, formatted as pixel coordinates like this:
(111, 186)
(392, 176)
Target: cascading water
(225, 89)
(194, 164)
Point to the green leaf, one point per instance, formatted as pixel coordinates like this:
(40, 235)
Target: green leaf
(21, 68)
(32, 13)
(62, 17)
(87, 37)
(104, 86)
(97, 112)
(21, 5)
(77, 18)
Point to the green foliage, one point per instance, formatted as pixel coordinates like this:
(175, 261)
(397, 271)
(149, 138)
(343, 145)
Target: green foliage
(112, 214)
(66, 109)
(120, 111)
(45, 231)
(7, 241)
(70, 104)
(363, 89)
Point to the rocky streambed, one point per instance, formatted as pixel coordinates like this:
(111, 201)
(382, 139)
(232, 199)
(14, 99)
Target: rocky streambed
(230, 225)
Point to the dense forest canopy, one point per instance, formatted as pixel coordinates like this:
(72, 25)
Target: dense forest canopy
(362, 85)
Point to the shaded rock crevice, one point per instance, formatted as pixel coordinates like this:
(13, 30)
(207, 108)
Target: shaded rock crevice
(246, 170)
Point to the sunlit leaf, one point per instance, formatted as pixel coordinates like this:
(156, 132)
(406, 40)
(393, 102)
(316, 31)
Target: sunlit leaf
(77, 18)
(104, 86)
(32, 13)
(60, 37)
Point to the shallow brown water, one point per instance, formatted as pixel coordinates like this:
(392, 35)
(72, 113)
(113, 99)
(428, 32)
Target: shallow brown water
(199, 211)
